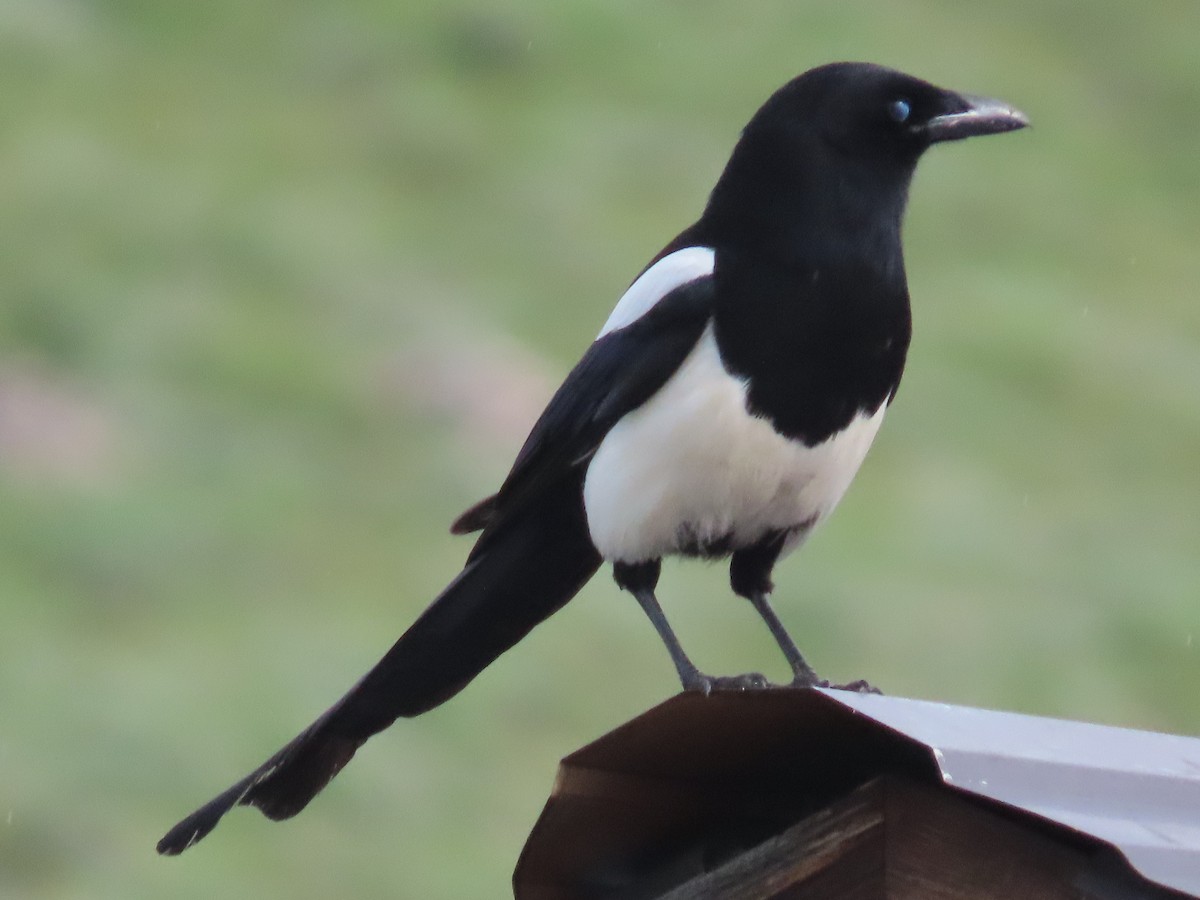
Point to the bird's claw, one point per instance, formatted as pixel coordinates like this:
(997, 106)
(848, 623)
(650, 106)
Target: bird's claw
(753, 681)
(706, 684)
(861, 686)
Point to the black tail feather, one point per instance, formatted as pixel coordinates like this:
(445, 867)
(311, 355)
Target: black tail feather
(517, 577)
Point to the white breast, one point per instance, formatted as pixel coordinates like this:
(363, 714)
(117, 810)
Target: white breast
(692, 464)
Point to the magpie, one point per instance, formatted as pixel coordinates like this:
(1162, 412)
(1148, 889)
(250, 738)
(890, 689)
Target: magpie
(721, 412)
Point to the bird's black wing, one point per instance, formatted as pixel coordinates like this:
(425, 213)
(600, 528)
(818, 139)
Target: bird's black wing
(618, 373)
(534, 555)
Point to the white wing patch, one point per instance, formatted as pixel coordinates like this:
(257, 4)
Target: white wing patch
(672, 271)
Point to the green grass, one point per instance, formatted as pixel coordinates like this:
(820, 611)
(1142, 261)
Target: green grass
(235, 234)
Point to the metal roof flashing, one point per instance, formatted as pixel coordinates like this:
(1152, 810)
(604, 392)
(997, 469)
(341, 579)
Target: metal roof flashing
(1137, 791)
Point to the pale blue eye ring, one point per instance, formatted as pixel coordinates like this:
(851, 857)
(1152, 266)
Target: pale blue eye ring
(899, 110)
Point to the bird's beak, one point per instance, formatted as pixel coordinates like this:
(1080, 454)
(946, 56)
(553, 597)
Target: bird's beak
(969, 116)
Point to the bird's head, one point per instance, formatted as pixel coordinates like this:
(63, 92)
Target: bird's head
(840, 143)
(864, 111)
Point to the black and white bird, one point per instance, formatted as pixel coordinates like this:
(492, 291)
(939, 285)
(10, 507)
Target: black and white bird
(721, 412)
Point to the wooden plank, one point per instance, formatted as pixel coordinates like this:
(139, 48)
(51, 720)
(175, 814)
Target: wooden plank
(942, 845)
(893, 839)
(842, 843)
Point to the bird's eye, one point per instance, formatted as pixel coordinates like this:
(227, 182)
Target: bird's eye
(899, 110)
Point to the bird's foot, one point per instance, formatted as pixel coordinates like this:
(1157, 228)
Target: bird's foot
(858, 687)
(809, 679)
(706, 684)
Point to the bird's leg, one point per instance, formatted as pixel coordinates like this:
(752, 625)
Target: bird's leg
(750, 577)
(640, 580)
(689, 675)
(802, 673)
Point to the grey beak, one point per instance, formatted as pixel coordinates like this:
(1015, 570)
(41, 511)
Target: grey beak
(975, 115)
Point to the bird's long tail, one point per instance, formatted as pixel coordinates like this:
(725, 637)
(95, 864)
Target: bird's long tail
(516, 578)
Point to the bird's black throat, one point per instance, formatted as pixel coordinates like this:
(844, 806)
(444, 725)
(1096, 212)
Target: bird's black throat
(812, 297)
(818, 344)
(820, 334)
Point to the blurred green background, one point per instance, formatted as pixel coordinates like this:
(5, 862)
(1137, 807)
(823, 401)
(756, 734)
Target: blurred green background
(284, 284)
